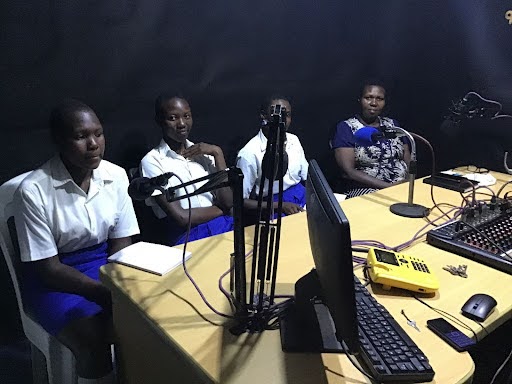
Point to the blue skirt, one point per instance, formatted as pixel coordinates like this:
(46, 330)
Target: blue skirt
(295, 194)
(176, 235)
(54, 310)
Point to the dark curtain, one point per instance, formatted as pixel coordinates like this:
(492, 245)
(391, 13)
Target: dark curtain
(226, 56)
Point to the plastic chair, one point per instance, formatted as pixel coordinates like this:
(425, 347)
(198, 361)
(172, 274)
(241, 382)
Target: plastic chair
(52, 362)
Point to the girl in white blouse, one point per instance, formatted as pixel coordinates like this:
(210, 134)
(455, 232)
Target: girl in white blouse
(73, 212)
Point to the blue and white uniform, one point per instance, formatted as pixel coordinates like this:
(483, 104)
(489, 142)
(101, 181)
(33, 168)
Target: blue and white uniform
(250, 160)
(162, 159)
(54, 216)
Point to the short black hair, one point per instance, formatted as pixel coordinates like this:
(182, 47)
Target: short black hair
(63, 116)
(268, 101)
(163, 97)
(368, 82)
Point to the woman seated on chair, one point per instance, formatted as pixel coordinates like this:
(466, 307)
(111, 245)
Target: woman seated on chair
(209, 211)
(71, 213)
(250, 161)
(381, 165)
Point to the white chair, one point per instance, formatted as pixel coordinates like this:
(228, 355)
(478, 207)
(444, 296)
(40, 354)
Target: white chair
(52, 362)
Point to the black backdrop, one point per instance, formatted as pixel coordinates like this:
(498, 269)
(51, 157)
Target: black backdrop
(227, 55)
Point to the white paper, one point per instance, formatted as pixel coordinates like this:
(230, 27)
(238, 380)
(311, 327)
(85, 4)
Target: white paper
(149, 257)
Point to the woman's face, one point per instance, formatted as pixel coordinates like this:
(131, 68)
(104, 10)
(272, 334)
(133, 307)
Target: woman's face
(175, 120)
(83, 143)
(373, 101)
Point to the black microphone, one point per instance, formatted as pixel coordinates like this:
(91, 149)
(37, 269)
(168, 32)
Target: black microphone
(280, 171)
(143, 187)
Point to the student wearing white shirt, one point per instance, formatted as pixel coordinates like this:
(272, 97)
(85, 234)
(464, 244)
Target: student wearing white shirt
(209, 211)
(250, 160)
(71, 213)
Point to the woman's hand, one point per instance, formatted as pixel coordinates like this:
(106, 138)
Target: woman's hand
(291, 208)
(201, 149)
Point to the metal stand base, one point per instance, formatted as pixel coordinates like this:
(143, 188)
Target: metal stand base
(409, 210)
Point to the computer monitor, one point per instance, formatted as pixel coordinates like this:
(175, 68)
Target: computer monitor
(324, 312)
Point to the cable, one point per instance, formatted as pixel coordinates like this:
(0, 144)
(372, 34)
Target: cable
(184, 261)
(357, 366)
(448, 316)
(425, 141)
(502, 188)
(485, 329)
(501, 367)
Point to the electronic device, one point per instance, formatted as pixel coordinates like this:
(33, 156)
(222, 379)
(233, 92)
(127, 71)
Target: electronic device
(469, 236)
(450, 334)
(333, 312)
(479, 306)
(393, 269)
(452, 182)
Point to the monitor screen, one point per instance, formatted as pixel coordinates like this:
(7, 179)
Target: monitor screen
(329, 237)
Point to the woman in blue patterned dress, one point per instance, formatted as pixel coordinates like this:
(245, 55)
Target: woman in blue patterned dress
(366, 169)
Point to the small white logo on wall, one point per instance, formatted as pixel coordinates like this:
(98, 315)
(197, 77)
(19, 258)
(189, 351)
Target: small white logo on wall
(508, 16)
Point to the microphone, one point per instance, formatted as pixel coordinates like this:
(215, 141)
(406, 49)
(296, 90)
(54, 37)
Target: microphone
(368, 136)
(143, 187)
(280, 171)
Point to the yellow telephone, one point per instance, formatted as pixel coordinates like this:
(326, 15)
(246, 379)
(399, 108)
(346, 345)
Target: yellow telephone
(393, 269)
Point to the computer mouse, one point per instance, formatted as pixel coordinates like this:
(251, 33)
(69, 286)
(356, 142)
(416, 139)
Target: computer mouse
(478, 306)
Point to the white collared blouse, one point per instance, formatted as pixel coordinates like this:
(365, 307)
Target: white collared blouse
(54, 215)
(162, 159)
(250, 159)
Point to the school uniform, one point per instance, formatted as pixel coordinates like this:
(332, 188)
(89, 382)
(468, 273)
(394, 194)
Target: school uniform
(54, 216)
(250, 159)
(163, 159)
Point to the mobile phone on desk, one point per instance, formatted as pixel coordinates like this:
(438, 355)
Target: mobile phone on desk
(450, 334)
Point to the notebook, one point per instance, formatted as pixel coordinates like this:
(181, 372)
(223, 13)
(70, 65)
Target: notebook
(154, 258)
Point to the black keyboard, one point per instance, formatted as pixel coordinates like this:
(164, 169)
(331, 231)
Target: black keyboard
(494, 222)
(389, 352)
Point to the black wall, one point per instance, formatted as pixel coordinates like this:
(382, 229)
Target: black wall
(227, 55)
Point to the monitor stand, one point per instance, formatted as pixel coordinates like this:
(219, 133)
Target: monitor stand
(306, 325)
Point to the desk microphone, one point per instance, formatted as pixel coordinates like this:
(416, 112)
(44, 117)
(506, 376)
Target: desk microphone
(368, 136)
(143, 187)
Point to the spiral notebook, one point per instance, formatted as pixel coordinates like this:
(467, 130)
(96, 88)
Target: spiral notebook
(154, 258)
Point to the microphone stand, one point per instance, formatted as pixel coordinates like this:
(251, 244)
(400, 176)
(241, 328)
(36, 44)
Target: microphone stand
(505, 164)
(251, 312)
(267, 231)
(409, 209)
(232, 177)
